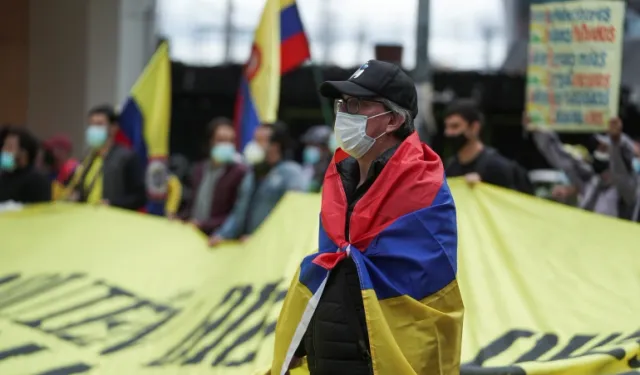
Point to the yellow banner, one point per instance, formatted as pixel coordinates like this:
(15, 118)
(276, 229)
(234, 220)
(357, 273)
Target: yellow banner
(87, 290)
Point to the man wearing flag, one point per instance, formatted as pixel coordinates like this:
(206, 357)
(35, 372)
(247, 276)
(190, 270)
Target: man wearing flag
(380, 296)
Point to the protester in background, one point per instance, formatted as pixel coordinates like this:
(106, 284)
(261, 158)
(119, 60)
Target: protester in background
(110, 174)
(20, 181)
(608, 185)
(316, 156)
(59, 163)
(216, 180)
(262, 189)
(473, 159)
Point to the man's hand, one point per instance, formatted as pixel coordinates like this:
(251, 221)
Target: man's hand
(244, 238)
(105, 202)
(473, 179)
(172, 217)
(195, 223)
(563, 192)
(615, 129)
(74, 196)
(215, 240)
(295, 363)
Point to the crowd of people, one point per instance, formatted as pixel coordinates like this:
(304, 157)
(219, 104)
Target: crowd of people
(603, 177)
(228, 195)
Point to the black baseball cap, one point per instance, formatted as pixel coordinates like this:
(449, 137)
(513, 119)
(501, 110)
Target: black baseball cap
(376, 79)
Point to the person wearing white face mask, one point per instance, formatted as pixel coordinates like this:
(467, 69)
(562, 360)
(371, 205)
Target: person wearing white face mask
(215, 180)
(262, 188)
(253, 153)
(111, 174)
(379, 173)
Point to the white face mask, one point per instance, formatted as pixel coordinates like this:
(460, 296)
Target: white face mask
(351, 133)
(254, 153)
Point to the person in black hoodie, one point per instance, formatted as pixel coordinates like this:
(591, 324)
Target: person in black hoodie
(20, 181)
(473, 159)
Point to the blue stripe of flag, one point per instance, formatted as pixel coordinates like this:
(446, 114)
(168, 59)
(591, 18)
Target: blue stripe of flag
(249, 120)
(417, 254)
(132, 125)
(290, 22)
(311, 274)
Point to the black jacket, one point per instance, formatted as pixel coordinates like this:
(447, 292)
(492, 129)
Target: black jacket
(332, 343)
(25, 185)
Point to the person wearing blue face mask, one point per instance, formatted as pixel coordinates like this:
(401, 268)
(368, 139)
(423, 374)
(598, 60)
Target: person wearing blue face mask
(111, 174)
(216, 179)
(19, 179)
(316, 156)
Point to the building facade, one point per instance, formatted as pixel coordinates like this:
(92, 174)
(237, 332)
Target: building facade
(59, 58)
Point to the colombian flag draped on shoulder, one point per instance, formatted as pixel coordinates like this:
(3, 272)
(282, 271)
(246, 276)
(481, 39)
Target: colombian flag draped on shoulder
(403, 240)
(145, 124)
(280, 45)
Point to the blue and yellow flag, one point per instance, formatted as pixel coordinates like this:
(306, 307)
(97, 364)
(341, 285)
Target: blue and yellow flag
(145, 124)
(403, 240)
(280, 45)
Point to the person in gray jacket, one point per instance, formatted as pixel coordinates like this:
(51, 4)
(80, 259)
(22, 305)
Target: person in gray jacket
(261, 190)
(607, 185)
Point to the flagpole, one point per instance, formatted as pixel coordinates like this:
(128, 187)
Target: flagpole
(425, 123)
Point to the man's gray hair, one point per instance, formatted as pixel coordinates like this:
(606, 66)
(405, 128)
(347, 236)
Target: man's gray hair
(407, 126)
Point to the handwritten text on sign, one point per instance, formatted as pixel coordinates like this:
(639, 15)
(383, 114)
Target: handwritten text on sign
(575, 52)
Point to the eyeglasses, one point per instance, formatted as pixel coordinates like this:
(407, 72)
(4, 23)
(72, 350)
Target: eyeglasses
(353, 105)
